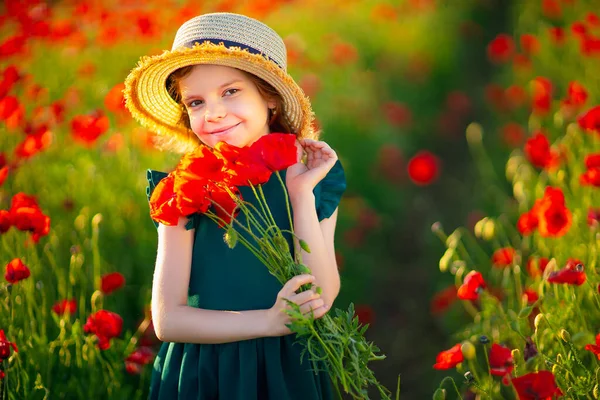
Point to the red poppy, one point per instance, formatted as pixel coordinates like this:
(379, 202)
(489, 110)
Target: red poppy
(201, 164)
(503, 257)
(13, 45)
(449, 358)
(163, 207)
(242, 165)
(225, 207)
(501, 49)
(64, 306)
(592, 19)
(365, 314)
(276, 150)
(551, 9)
(536, 386)
(594, 348)
(531, 296)
(591, 177)
(521, 62)
(140, 357)
(501, 360)
(541, 95)
(111, 282)
(10, 76)
(343, 53)
(35, 142)
(530, 44)
(472, 285)
(423, 168)
(592, 219)
(310, 84)
(443, 300)
(3, 174)
(16, 271)
(579, 30)
(590, 120)
(5, 346)
(8, 106)
(536, 270)
(513, 134)
(115, 100)
(516, 96)
(549, 215)
(577, 95)
(26, 215)
(557, 35)
(5, 221)
(496, 96)
(396, 113)
(105, 325)
(573, 273)
(87, 128)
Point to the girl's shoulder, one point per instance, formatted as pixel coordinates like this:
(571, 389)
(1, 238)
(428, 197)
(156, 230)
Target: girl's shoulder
(154, 177)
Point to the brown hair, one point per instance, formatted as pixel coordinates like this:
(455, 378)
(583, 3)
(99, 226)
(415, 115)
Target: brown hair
(277, 123)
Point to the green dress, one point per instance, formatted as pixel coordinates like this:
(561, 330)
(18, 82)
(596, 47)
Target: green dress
(268, 368)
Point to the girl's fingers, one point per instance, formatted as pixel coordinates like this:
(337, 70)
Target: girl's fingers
(312, 305)
(290, 287)
(304, 297)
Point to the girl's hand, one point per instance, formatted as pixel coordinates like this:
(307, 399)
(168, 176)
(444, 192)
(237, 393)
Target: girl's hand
(301, 178)
(308, 300)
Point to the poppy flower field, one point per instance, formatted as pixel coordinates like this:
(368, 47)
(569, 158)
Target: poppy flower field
(491, 123)
(527, 275)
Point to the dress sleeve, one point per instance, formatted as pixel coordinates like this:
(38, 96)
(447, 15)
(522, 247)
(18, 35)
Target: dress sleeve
(153, 178)
(329, 191)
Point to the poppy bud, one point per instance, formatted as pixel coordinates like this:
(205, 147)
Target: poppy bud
(596, 392)
(303, 269)
(474, 133)
(231, 237)
(489, 230)
(453, 239)
(538, 320)
(555, 369)
(469, 377)
(515, 354)
(468, 350)
(564, 335)
(304, 246)
(281, 243)
(439, 394)
(559, 358)
(445, 260)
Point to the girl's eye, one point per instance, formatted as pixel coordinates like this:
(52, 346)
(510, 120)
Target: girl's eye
(231, 91)
(195, 103)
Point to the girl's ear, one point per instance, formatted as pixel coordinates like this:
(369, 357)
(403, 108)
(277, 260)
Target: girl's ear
(271, 103)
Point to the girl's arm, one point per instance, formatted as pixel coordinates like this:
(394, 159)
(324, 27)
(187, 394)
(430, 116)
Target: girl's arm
(175, 321)
(320, 239)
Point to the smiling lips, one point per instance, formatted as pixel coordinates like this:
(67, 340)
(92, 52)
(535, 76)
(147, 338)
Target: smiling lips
(222, 131)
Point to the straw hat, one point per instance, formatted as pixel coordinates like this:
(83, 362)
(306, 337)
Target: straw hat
(226, 39)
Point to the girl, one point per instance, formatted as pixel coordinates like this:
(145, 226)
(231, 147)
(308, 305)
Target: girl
(218, 310)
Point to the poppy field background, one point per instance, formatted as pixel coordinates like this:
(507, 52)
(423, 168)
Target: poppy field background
(394, 86)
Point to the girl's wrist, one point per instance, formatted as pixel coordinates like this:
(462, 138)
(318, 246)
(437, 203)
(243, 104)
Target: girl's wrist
(302, 195)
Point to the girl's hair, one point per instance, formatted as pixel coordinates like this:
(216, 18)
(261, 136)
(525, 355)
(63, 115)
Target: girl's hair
(277, 123)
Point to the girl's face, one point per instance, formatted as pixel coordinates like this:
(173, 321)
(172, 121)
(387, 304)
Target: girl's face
(224, 105)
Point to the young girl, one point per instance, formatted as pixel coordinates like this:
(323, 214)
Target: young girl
(219, 312)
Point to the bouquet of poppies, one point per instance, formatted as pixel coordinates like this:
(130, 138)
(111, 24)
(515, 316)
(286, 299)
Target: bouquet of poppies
(206, 181)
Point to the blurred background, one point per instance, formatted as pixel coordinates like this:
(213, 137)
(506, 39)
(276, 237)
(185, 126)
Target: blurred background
(394, 85)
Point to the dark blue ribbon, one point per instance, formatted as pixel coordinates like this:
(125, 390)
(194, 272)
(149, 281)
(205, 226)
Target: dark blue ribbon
(229, 43)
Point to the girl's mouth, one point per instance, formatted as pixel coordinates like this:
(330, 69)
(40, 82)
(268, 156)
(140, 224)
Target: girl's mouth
(224, 132)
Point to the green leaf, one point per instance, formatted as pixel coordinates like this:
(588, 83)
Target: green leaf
(525, 311)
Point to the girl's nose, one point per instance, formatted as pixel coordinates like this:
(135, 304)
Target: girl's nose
(215, 112)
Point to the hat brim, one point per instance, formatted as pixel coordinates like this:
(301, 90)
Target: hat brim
(147, 98)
